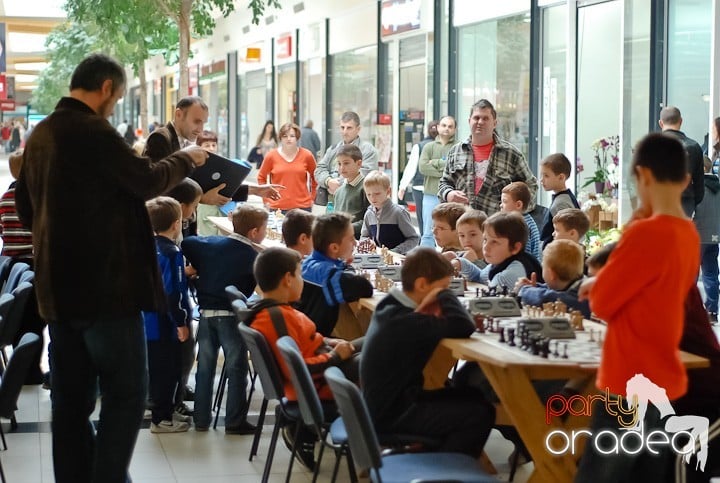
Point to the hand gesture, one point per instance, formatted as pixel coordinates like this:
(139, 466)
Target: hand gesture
(458, 197)
(429, 299)
(333, 184)
(213, 196)
(585, 287)
(183, 333)
(401, 193)
(532, 281)
(471, 255)
(270, 191)
(449, 255)
(198, 155)
(344, 350)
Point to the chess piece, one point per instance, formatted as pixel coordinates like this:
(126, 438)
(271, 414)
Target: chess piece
(477, 292)
(576, 320)
(556, 353)
(592, 335)
(479, 323)
(565, 355)
(366, 245)
(548, 309)
(502, 336)
(511, 336)
(560, 307)
(545, 348)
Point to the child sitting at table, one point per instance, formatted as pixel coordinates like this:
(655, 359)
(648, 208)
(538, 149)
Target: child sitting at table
(444, 219)
(570, 224)
(407, 326)
(469, 228)
(562, 269)
(504, 237)
(350, 196)
(297, 231)
(221, 261)
(516, 197)
(330, 281)
(385, 223)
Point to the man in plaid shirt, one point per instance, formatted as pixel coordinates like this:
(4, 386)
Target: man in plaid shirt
(478, 169)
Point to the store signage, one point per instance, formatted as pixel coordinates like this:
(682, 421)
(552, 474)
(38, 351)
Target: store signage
(384, 118)
(7, 105)
(252, 54)
(400, 16)
(3, 87)
(283, 47)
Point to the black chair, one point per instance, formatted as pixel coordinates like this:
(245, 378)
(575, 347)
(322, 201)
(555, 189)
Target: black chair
(13, 279)
(311, 410)
(396, 467)
(272, 384)
(12, 317)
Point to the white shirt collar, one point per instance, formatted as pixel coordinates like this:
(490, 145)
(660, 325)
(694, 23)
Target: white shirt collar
(356, 180)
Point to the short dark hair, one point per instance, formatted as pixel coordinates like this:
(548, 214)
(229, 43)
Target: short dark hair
(670, 115)
(663, 155)
(510, 225)
(330, 228)
(558, 164)
(272, 264)
(518, 191)
(206, 137)
(188, 101)
(95, 69)
(163, 212)
(449, 212)
(186, 191)
(483, 104)
(472, 216)
(424, 262)
(600, 257)
(350, 116)
(349, 150)
(246, 217)
(573, 219)
(296, 223)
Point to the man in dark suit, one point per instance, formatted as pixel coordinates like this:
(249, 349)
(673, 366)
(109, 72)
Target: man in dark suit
(670, 123)
(95, 269)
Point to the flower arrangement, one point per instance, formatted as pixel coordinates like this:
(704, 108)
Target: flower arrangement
(596, 239)
(606, 162)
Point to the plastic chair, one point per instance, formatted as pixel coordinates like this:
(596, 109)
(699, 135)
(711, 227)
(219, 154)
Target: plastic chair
(397, 467)
(311, 410)
(272, 384)
(14, 377)
(5, 263)
(12, 317)
(13, 279)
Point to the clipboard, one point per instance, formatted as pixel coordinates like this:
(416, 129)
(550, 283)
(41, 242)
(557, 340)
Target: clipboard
(218, 170)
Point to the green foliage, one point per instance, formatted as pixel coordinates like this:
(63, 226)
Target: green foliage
(258, 8)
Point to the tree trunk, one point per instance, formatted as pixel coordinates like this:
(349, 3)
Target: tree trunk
(143, 99)
(184, 28)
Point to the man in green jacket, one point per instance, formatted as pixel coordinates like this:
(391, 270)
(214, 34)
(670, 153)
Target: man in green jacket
(432, 165)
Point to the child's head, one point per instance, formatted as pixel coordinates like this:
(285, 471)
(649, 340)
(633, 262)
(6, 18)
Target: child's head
(562, 263)
(250, 221)
(469, 229)
(333, 235)
(377, 188)
(297, 231)
(208, 140)
(660, 163)
(515, 197)
(570, 224)
(445, 217)
(165, 216)
(188, 193)
(425, 269)
(504, 235)
(598, 259)
(349, 161)
(277, 269)
(554, 172)
(15, 160)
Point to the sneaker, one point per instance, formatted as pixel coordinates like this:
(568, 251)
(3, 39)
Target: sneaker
(183, 409)
(242, 428)
(288, 432)
(181, 417)
(169, 427)
(189, 394)
(202, 429)
(713, 317)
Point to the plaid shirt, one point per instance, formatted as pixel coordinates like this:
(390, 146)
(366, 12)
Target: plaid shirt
(506, 164)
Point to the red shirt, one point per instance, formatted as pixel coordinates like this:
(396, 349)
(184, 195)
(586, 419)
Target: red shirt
(297, 176)
(640, 293)
(482, 160)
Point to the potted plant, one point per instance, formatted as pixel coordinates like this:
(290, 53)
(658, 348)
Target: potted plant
(606, 164)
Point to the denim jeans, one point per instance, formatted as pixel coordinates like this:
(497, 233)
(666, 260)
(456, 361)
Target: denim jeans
(709, 265)
(430, 201)
(214, 332)
(109, 354)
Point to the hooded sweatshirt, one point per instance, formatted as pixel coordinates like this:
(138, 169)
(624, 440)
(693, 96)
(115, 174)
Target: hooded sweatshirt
(707, 213)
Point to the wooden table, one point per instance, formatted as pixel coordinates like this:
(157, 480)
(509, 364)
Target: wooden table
(510, 372)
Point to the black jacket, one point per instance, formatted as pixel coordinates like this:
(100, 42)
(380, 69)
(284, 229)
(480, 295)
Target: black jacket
(693, 194)
(82, 191)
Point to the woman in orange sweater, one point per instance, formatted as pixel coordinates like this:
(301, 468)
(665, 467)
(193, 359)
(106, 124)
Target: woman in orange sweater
(292, 167)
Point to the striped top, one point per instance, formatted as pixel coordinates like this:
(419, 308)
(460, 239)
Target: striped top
(17, 239)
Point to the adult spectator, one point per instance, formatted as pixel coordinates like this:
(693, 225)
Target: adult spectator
(326, 172)
(268, 139)
(292, 167)
(122, 128)
(310, 140)
(479, 168)
(432, 166)
(670, 122)
(92, 293)
(413, 177)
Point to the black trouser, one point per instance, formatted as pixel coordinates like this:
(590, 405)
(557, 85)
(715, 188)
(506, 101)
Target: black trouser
(163, 368)
(187, 361)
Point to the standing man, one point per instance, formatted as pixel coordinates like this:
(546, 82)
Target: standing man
(326, 173)
(670, 123)
(432, 165)
(82, 191)
(310, 140)
(478, 169)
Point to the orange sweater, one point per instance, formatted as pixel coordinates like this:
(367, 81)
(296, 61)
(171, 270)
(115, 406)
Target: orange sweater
(302, 330)
(640, 293)
(294, 176)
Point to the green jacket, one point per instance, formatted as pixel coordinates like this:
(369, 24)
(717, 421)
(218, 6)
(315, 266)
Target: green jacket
(432, 163)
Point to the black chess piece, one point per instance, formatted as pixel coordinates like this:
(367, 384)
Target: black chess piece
(477, 292)
(502, 336)
(545, 348)
(556, 353)
(511, 336)
(535, 345)
(504, 290)
(565, 356)
(479, 323)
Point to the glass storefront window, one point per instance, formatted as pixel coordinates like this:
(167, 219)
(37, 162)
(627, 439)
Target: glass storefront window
(253, 99)
(494, 63)
(312, 81)
(553, 78)
(214, 93)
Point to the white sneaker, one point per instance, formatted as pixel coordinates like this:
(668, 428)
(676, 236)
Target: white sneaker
(169, 427)
(179, 417)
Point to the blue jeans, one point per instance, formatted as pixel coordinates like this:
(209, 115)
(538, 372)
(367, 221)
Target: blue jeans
(214, 332)
(109, 353)
(430, 201)
(710, 272)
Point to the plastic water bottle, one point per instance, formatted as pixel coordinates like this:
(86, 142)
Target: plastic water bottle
(330, 207)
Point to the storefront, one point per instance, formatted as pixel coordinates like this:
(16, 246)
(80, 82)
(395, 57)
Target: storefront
(255, 99)
(212, 83)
